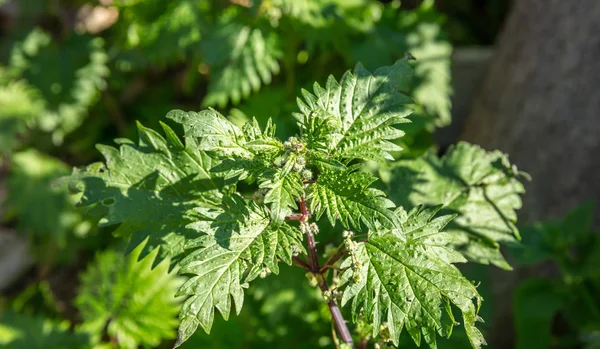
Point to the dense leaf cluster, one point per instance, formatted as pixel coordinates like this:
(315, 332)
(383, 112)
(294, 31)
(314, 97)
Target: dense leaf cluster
(181, 197)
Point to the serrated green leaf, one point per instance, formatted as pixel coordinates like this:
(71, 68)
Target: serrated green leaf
(245, 152)
(346, 196)
(221, 137)
(419, 32)
(480, 186)
(150, 189)
(129, 299)
(407, 281)
(284, 188)
(242, 59)
(240, 241)
(359, 112)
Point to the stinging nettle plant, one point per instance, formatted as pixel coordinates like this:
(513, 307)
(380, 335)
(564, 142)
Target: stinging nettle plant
(396, 266)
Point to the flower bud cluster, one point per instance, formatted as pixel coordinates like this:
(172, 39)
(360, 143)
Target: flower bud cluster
(329, 295)
(264, 273)
(352, 248)
(294, 144)
(384, 333)
(309, 228)
(307, 175)
(295, 151)
(295, 250)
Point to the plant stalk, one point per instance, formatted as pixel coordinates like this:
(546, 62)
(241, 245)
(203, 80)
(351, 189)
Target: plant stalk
(336, 314)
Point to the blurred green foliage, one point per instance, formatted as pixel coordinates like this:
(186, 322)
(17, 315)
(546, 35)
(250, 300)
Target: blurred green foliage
(561, 310)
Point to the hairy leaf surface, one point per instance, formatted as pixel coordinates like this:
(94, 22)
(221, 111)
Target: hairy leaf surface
(284, 188)
(245, 153)
(150, 189)
(408, 281)
(346, 196)
(359, 112)
(222, 138)
(239, 242)
(480, 186)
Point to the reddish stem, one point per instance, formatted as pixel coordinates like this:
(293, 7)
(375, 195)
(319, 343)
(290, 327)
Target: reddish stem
(331, 261)
(336, 314)
(294, 217)
(299, 262)
(303, 209)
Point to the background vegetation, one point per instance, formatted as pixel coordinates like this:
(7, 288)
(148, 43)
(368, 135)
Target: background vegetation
(77, 73)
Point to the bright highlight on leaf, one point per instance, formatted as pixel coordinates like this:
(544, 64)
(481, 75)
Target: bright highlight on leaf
(346, 196)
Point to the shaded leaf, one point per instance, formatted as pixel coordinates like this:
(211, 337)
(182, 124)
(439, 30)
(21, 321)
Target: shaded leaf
(242, 59)
(150, 189)
(482, 187)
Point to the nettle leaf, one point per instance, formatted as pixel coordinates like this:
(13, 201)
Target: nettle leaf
(150, 189)
(481, 187)
(284, 188)
(359, 113)
(408, 281)
(129, 299)
(222, 138)
(241, 59)
(346, 196)
(246, 153)
(240, 242)
(420, 32)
